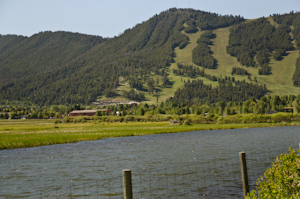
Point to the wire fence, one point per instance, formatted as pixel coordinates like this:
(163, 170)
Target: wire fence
(108, 188)
(209, 178)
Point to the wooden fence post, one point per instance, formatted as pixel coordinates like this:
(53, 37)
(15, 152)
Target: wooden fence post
(127, 185)
(244, 173)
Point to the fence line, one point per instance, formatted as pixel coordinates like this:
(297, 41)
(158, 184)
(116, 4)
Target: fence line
(107, 188)
(204, 179)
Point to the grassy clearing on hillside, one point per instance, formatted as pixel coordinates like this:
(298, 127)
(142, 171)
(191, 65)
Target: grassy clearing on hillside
(278, 83)
(181, 56)
(225, 61)
(272, 22)
(32, 133)
(185, 56)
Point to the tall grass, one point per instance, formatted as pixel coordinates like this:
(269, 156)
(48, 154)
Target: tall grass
(32, 134)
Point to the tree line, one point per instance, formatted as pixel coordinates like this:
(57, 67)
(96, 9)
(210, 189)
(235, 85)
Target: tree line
(192, 72)
(202, 55)
(239, 71)
(134, 95)
(292, 19)
(259, 38)
(296, 76)
(228, 90)
(217, 108)
(210, 21)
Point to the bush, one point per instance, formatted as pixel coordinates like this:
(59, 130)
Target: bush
(78, 119)
(96, 118)
(148, 114)
(57, 121)
(281, 180)
(116, 119)
(105, 118)
(197, 119)
(187, 122)
(68, 119)
(210, 116)
(129, 118)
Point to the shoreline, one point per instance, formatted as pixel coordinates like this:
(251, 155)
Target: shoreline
(38, 133)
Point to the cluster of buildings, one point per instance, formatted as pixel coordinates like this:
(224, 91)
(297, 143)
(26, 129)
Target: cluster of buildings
(88, 112)
(101, 104)
(115, 103)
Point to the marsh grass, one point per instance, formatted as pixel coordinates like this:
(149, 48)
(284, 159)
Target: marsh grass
(39, 133)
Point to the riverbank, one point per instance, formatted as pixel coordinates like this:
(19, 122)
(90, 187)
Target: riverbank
(32, 133)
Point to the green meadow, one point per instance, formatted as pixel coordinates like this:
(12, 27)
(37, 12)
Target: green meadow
(32, 133)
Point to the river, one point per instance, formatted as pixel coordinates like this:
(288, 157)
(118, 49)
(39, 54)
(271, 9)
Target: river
(163, 165)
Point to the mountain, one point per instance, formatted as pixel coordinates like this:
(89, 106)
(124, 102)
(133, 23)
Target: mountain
(42, 52)
(152, 60)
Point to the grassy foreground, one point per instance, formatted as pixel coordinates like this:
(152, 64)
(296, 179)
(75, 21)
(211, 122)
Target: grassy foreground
(32, 133)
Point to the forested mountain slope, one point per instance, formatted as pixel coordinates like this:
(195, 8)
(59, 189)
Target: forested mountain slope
(63, 71)
(9, 41)
(42, 52)
(150, 61)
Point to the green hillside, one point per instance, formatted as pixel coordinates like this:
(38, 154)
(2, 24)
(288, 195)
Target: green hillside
(9, 41)
(154, 59)
(42, 52)
(279, 82)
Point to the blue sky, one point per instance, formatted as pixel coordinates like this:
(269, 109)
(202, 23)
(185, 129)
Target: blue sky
(110, 17)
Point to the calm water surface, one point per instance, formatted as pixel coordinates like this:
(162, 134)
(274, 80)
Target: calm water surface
(31, 170)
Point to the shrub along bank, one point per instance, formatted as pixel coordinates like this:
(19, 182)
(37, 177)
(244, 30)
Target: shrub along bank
(281, 180)
(188, 118)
